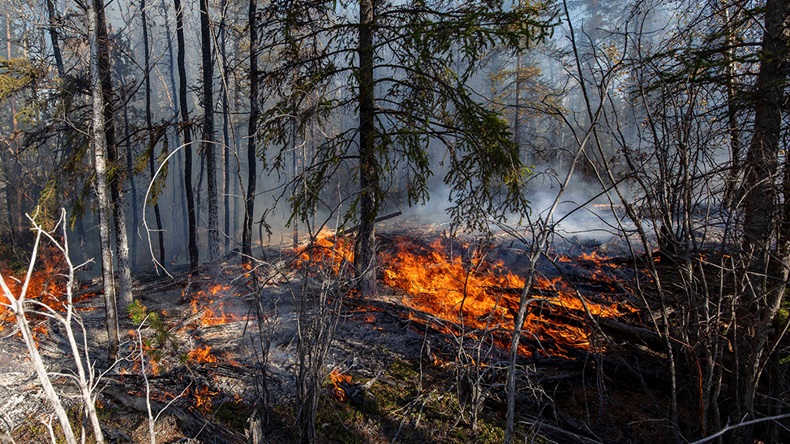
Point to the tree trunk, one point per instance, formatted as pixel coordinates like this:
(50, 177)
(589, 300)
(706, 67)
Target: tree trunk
(731, 190)
(181, 208)
(365, 248)
(182, 100)
(762, 297)
(132, 184)
(115, 180)
(102, 185)
(209, 150)
(225, 127)
(252, 173)
(149, 128)
(53, 35)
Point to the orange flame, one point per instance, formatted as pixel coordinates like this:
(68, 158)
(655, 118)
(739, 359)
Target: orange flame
(203, 398)
(212, 313)
(482, 295)
(202, 354)
(47, 286)
(337, 378)
(327, 249)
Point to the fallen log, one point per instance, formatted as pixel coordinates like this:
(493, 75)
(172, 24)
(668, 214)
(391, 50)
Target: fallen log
(192, 424)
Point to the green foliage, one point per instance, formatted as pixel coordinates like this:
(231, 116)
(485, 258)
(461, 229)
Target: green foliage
(426, 52)
(17, 74)
(161, 336)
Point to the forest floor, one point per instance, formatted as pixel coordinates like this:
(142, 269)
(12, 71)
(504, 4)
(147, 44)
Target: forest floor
(393, 373)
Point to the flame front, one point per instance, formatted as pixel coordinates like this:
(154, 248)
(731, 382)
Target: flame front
(485, 296)
(47, 286)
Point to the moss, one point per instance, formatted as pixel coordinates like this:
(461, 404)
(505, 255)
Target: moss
(234, 415)
(338, 422)
(403, 371)
(33, 430)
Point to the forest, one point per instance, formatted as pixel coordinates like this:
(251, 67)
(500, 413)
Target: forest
(419, 221)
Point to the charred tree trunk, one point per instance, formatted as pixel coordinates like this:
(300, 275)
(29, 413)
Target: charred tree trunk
(225, 127)
(149, 128)
(99, 140)
(252, 174)
(182, 100)
(53, 35)
(365, 248)
(179, 176)
(767, 273)
(209, 150)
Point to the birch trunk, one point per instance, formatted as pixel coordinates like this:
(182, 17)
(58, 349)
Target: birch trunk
(99, 140)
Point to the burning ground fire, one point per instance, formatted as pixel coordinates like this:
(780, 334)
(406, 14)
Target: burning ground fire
(211, 303)
(480, 295)
(47, 286)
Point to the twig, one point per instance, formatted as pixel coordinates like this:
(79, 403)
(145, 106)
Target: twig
(739, 425)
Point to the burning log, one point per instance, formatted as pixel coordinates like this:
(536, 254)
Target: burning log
(191, 422)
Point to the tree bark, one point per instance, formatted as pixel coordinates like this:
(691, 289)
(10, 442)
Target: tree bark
(225, 127)
(53, 35)
(149, 128)
(102, 186)
(179, 176)
(252, 174)
(132, 184)
(209, 150)
(764, 219)
(365, 248)
(182, 100)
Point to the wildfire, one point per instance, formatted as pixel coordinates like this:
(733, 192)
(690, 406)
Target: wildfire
(482, 295)
(472, 291)
(202, 354)
(327, 248)
(47, 286)
(336, 379)
(203, 398)
(210, 304)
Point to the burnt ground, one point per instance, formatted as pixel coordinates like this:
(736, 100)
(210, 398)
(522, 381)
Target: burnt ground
(410, 379)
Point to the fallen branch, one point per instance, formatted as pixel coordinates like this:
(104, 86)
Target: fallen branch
(378, 219)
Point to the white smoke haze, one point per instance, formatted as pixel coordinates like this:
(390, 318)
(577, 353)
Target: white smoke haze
(584, 215)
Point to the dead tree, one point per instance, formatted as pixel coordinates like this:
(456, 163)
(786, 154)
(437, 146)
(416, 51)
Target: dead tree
(252, 136)
(209, 150)
(185, 125)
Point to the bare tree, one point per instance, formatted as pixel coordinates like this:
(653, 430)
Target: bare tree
(84, 374)
(209, 150)
(252, 135)
(185, 124)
